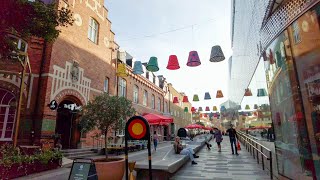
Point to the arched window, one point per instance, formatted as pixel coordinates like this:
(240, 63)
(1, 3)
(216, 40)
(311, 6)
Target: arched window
(7, 115)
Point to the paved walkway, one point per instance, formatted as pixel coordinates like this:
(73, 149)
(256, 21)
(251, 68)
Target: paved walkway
(222, 165)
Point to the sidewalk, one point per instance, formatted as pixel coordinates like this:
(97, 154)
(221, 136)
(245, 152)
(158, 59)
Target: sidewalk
(63, 172)
(222, 165)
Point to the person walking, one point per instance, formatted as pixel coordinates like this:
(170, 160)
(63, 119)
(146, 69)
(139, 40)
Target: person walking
(233, 138)
(184, 151)
(155, 140)
(218, 136)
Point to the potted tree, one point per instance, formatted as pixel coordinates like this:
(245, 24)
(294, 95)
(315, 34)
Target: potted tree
(107, 113)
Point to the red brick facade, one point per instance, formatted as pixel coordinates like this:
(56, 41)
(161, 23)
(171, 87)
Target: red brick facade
(72, 70)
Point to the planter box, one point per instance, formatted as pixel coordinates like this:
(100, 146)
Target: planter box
(18, 170)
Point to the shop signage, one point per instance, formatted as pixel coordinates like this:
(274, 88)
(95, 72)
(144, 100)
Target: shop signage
(53, 105)
(72, 107)
(83, 169)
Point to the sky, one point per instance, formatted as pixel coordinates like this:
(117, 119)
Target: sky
(161, 28)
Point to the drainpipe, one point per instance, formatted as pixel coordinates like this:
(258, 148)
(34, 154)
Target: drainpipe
(36, 106)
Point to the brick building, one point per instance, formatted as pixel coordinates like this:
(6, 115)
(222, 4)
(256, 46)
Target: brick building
(68, 73)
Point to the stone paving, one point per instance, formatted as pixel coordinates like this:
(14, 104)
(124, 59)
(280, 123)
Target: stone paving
(222, 165)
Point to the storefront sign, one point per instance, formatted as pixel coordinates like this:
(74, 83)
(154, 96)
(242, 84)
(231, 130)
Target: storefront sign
(53, 105)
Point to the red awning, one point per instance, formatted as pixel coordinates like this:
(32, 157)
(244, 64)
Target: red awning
(194, 126)
(156, 119)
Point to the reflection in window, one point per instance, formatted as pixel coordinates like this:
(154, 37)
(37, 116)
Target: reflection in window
(296, 32)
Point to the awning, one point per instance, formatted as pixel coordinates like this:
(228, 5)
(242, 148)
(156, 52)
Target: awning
(156, 119)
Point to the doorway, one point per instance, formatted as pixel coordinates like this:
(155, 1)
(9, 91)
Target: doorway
(67, 125)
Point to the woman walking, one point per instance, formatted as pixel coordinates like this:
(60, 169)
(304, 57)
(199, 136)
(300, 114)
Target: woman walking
(155, 140)
(218, 137)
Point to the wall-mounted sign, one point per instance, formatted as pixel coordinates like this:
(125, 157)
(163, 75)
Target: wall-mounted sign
(53, 105)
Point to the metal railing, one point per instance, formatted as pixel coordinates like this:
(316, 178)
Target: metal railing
(257, 149)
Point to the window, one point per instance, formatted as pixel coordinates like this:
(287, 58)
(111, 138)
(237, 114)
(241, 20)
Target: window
(106, 85)
(93, 30)
(166, 107)
(147, 75)
(296, 32)
(145, 98)
(122, 87)
(153, 102)
(159, 104)
(135, 93)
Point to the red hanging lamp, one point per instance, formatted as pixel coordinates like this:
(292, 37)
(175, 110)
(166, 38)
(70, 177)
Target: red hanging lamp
(185, 99)
(175, 100)
(173, 63)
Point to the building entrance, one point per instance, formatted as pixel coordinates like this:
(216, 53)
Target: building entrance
(67, 124)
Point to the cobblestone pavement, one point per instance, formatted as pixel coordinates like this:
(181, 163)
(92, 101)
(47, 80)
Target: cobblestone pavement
(222, 165)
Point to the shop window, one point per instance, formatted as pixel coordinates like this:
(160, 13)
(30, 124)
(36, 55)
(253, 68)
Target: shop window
(153, 102)
(93, 30)
(296, 32)
(135, 94)
(145, 98)
(122, 87)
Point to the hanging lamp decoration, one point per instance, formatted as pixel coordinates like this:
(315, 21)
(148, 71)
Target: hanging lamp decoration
(195, 97)
(207, 96)
(186, 109)
(214, 108)
(193, 109)
(185, 99)
(173, 63)
(216, 54)
(255, 106)
(175, 100)
(247, 92)
(219, 94)
(262, 92)
(152, 65)
(200, 109)
(122, 70)
(207, 108)
(137, 68)
(223, 108)
(193, 59)
(247, 107)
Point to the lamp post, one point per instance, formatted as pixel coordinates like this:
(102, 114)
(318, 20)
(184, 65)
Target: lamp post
(22, 85)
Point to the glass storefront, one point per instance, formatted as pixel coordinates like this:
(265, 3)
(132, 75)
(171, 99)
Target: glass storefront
(292, 68)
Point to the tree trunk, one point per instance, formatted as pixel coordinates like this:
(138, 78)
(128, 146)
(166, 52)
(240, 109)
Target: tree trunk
(106, 142)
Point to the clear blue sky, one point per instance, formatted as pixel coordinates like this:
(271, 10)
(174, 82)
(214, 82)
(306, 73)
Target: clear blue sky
(133, 21)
